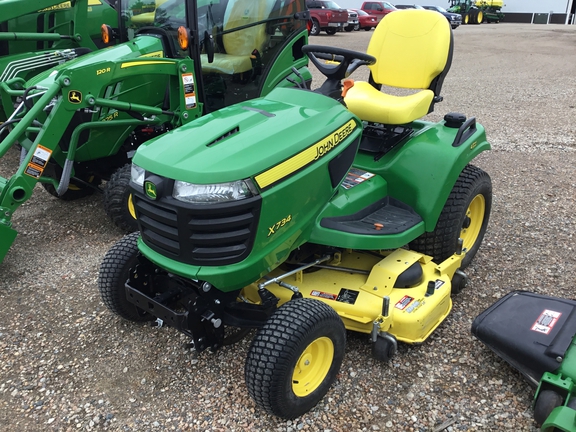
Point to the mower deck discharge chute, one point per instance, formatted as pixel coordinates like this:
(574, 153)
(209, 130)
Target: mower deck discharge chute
(290, 214)
(80, 123)
(535, 334)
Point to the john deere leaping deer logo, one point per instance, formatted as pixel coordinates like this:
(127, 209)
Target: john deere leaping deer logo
(150, 189)
(74, 96)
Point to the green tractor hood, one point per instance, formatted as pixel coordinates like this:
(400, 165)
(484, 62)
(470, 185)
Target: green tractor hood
(243, 140)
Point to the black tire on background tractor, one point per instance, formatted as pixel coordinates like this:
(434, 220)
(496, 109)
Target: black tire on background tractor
(331, 31)
(465, 215)
(315, 28)
(477, 17)
(465, 18)
(118, 203)
(546, 402)
(76, 190)
(295, 357)
(114, 272)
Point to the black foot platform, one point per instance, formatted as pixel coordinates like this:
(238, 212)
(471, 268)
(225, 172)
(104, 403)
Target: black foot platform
(387, 216)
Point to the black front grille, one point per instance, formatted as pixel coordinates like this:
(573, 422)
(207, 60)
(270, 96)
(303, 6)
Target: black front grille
(209, 234)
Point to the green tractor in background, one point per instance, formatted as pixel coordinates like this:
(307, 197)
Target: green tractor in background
(40, 34)
(478, 11)
(79, 123)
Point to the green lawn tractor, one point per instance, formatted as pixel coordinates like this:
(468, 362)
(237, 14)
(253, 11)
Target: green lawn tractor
(79, 123)
(305, 213)
(536, 334)
(40, 34)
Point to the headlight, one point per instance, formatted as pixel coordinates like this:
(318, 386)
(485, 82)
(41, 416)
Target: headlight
(137, 174)
(213, 193)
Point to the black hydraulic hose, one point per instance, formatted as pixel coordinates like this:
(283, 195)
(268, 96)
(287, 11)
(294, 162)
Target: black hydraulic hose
(28, 103)
(6, 124)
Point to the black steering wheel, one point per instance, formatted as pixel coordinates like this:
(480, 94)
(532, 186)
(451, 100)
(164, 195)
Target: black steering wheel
(348, 61)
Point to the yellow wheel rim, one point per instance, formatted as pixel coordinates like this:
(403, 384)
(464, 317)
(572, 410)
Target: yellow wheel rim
(473, 222)
(465, 19)
(480, 17)
(312, 366)
(131, 208)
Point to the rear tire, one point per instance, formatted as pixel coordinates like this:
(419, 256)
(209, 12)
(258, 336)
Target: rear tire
(114, 272)
(331, 31)
(465, 215)
(118, 203)
(295, 357)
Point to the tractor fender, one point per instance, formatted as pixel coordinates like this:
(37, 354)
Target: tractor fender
(422, 171)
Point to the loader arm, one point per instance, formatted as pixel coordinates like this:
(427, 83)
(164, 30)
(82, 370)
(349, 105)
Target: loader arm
(40, 123)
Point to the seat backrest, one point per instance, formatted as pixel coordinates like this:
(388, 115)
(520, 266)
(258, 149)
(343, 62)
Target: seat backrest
(240, 13)
(412, 48)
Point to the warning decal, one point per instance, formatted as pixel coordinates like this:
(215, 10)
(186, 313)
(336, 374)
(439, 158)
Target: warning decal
(38, 162)
(403, 302)
(355, 177)
(189, 90)
(347, 296)
(324, 295)
(41, 156)
(546, 321)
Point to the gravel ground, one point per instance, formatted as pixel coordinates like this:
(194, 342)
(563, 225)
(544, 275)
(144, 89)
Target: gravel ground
(67, 363)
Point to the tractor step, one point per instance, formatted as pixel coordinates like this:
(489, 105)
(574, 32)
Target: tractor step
(387, 216)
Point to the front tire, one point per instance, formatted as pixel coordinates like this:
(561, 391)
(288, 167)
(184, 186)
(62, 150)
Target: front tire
(113, 274)
(295, 357)
(118, 203)
(76, 189)
(465, 215)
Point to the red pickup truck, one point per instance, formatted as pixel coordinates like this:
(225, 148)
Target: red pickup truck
(378, 8)
(326, 15)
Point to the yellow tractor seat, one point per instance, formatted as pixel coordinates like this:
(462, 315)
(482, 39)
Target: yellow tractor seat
(413, 50)
(239, 44)
(147, 17)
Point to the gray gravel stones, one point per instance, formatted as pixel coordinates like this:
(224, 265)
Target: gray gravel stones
(67, 364)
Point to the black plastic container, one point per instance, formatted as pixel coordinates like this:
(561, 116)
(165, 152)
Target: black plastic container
(532, 332)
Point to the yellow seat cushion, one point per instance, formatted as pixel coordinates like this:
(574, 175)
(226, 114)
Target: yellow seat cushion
(227, 64)
(412, 48)
(239, 44)
(372, 105)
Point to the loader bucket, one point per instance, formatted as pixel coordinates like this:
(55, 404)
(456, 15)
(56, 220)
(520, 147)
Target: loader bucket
(7, 236)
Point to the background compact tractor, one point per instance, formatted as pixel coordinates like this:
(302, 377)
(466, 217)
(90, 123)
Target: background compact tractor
(79, 123)
(291, 213)
(40, 34)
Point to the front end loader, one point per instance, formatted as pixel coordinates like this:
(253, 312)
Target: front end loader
(79, 123)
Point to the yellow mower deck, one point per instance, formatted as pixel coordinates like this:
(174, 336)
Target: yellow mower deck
(413, 312)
